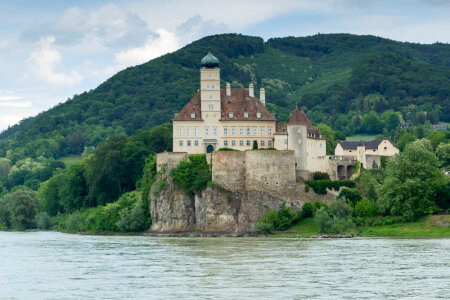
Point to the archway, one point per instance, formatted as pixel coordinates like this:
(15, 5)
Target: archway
(350, 170)
(341, 172)
(209, 149)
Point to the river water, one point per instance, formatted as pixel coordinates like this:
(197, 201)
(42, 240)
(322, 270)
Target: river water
(51, 265)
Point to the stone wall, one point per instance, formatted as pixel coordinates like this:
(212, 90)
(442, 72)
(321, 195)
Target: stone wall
(228, 169)
(170, 159)
(371, 159)
(269, 170)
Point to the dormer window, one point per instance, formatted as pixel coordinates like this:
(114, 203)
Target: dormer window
(192, 116)
(258, 115)
(230, 115)
(246, 115)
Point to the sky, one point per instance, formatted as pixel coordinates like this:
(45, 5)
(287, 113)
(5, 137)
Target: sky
(51, 50)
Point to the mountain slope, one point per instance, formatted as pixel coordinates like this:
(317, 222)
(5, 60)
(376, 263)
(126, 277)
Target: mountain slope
(338, 77)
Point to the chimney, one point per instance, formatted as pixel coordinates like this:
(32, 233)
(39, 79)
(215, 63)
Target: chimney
(262, 96)
(228, 89)
(251, 91)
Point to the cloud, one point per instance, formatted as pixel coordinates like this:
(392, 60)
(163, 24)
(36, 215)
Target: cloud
(16, 104)
(154, 47)
(9, 98)
(109, 25)
(196, 27)
(45, 60)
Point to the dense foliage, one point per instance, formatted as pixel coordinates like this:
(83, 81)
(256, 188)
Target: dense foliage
(321, 186)
(193, 175)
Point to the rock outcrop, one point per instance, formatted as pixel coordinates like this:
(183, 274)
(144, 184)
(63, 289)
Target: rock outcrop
(218, 210)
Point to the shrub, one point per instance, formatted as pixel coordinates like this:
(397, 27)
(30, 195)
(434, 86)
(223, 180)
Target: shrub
(366, 208)
(307, 210)
(318, 204)
(321, 176)
(133, 220)
(352, 195)
(340, 208)
(255, 145)
(320, 186)
(43, 220)
(281, 220)
(263, 227)
(226, 149)
(74, 223)
(338, 222)
(323, 220)
(193, 175)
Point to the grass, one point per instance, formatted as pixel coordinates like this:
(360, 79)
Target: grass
(361, 137)
(70, 159)
(424, 227)
(303, 228)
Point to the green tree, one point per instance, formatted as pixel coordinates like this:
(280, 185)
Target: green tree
(436, 138)
(404, 140)
(255, 145)
(48, 195)
(73, 190)
(412, 178)
(23, 205)
(443, 153)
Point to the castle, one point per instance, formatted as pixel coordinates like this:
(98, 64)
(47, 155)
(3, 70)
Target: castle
(236, 118)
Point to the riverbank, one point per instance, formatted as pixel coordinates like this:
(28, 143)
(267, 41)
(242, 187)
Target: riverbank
(424, 227)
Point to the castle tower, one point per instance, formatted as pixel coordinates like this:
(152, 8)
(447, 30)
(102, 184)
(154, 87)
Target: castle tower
(210, 87)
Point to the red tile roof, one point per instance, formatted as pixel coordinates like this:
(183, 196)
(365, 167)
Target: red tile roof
(238, 103)
(298, 117)
(281, 129)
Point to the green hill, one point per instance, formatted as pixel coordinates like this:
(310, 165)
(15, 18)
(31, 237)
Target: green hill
(341, 80)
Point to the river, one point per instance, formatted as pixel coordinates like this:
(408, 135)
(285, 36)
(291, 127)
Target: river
(51, 265)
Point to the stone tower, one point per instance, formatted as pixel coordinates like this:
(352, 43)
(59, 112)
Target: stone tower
(210, 87)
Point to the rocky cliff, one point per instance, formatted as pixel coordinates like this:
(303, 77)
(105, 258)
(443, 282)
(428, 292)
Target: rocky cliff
(216, 209)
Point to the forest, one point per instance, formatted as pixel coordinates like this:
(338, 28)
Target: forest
(347, 84)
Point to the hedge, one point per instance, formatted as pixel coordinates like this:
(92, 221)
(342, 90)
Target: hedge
(320, 186)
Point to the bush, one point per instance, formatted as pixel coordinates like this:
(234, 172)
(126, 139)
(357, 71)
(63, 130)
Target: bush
(366, 208)
(255, 145)
(43, 220)
(226, 149)
(321, 176)
(281, 220)
(193, 175)
(307, 210)
(338, 222)
(263, 227)
(133, 220)
(320, 186)
(74, 223)
(19, 208)
(319, 204)
(352, 195)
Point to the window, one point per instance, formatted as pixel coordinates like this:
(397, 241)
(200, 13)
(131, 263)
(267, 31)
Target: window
(241, 143)
(299, 141)
(262, 143)
(320, 136)
(233, 131)
(269, 131)
(258, 115)
(385, 148)
(262, 130)
(225, 143)
(225, 131)
(233, 143)
(246, 115)
(215, 116)
(195, 143)
(188, 143)
(230, 115)
(248, 130)
(254, 130)
(209, 75)
(248, 143)
(213, 86)
(207, 86)
(206, 131)
(241, 131)
(215, 131)
(196, 131)
(373, 150)
(210, 97)
(188, 131)
(180, 143)
(211, 107)
(299, 130)
(269, 143)
(296, 151)
(181, 131)
(320, 145)
(192, 116)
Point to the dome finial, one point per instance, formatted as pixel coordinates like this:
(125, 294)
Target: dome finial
(209, 61)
